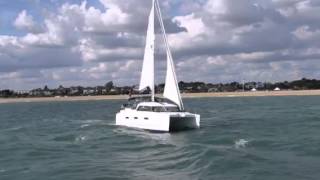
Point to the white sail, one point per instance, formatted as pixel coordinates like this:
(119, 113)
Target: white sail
(147, 75)
(171, 90)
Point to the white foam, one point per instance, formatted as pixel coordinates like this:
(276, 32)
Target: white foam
(81, 138)
(92, 121)
(84, 125)
(241, 143)
(162, 138)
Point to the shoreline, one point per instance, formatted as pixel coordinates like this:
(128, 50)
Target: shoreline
(184, 95)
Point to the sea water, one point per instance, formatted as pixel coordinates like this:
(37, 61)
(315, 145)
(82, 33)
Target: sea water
(254, 138)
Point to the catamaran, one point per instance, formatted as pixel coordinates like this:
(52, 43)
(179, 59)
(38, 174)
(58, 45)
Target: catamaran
(163, 114)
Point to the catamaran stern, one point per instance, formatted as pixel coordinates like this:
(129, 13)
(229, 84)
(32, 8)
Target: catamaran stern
(180, 123)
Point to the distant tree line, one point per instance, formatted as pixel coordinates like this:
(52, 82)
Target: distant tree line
(185, 87)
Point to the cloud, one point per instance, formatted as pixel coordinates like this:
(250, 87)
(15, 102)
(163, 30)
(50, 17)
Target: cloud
(96, 41)
(15, 55)
(24, 21)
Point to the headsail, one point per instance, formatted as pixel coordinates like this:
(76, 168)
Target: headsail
(147, 75)
(171, 90)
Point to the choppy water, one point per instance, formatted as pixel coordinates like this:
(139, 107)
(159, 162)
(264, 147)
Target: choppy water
(241, 138)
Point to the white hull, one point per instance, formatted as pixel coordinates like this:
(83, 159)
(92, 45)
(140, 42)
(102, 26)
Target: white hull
(158, 121)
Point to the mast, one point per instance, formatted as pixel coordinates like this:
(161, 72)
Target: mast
(171, 74)
(153, 41)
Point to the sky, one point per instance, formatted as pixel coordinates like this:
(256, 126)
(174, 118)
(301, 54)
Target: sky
(88, 43)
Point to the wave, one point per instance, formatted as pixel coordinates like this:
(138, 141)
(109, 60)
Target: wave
(18, 128)
(84, 125)
(241, 143)
(93, 122)
(80, 138)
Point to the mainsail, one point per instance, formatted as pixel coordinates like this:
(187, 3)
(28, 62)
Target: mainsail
(147, 75)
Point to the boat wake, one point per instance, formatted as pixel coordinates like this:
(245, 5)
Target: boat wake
(90, 123)
(162, 138)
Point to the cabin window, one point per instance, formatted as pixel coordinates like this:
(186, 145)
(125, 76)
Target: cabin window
(150, 109)
(144, 108)
(172, 109)
(158, 109)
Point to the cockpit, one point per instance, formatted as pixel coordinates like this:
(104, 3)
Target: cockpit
(158, 108)
(144, 103)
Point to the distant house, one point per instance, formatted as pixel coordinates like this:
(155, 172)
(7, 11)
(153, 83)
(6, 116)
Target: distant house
(22, 92)
(36, 92)
(88, 91)
(61, 91)
(260, 85)
(115, 90)
(47, 93)
(213, 90)
(104, 91)
(187, 89)
(250, 85)
(75, 91)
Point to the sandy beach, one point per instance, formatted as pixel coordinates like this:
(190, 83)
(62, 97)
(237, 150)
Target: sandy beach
(185, 95)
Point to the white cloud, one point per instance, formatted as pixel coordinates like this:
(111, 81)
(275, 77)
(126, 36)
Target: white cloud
(305, 33)
(24, 21)
(228, 40)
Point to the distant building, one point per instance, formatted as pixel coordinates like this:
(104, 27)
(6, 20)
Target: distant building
(36, 92)
(88, 91)
(22, 92)
(76, 91)
(47, 93)
(213, 90)
(260, 85)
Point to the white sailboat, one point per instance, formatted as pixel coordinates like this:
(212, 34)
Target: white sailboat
(165, 113)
